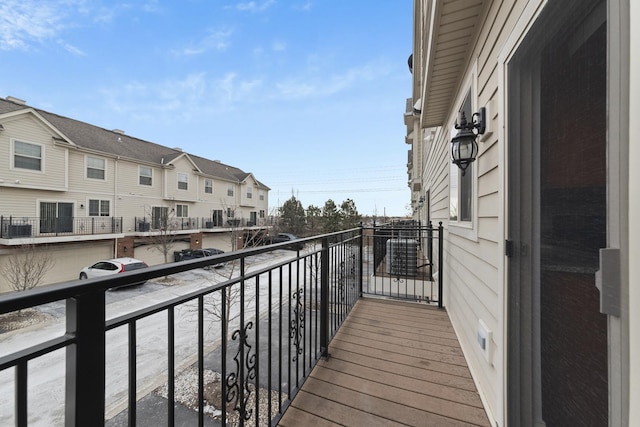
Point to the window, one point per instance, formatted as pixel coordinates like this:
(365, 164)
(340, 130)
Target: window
(98, 207)
(262, 214)
(27, 156)
(183, 181)
(249, 192)
(208, 186)
(159, 217)
(230, 190)
(182, 211)
(230, 213)
(95, 168)
(261, 195)
(146, 175)
(461, 193)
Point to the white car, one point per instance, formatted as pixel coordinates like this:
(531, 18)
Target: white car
(112, 266)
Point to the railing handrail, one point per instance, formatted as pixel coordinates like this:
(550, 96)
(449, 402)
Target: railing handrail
(14, 301)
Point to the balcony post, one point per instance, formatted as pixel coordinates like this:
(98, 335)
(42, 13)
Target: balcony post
(430, 249)
(85, 360)
(440, 263)
(324, 298)
(360, 274)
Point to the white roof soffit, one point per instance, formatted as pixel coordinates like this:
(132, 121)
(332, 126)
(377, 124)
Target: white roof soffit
(451, 32)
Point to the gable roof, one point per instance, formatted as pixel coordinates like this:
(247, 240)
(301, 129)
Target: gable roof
(115, 143)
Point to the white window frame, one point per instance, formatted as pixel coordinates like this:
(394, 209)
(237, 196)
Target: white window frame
(183, 178)
(182, 211)
(249, 192)
(208, 186)
(88, 160)
(101, 204)
(230, 190)
(466, 229)
(261, 195)
(141, 176)
(14, 154)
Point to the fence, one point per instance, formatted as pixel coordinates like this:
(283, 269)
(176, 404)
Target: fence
(400, 262)
(255, 333)
(25, 227)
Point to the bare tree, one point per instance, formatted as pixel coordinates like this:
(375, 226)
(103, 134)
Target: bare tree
(165, 238)
(26, 267)
(230, 294)
(225, 312)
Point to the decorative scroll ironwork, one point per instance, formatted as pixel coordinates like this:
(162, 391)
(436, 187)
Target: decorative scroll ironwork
(235, 380)
(296, 325)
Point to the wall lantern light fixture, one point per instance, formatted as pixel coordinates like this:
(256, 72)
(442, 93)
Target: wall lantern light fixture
(464, 147)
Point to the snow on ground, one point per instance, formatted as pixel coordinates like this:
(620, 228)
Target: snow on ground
(46, 381)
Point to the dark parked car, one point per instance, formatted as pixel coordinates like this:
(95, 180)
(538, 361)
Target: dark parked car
(285, 237)
(186, 254)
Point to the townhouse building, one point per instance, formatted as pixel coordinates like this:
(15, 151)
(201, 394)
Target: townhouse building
(535, 101)
(88, 193)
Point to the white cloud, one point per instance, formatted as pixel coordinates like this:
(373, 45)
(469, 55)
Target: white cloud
(27, 22)
(318, 86)
(278, 46)
(192, 97)
(253, 6)
(303, 6)
(216, 40)
(71, 48)
(151, 6)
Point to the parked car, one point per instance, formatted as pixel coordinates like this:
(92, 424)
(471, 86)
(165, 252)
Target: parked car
(112, 266)
(186, 254)
(285, 237)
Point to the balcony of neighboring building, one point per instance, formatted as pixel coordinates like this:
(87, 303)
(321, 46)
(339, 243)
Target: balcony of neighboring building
(14, 229)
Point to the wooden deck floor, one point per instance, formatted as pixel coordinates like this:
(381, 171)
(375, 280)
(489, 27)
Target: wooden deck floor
(391, 363)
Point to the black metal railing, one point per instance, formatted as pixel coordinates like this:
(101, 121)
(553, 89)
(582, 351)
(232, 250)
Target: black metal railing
(143, 224)
(400, 261)
(262, 325)
(25, 227)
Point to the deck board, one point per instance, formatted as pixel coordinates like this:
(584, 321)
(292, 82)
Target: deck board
(391, 363)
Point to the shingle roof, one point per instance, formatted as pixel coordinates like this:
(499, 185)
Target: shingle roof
(116, 143)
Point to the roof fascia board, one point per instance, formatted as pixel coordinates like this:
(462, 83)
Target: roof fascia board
(434, 15)
(189, 159)
(44, 121)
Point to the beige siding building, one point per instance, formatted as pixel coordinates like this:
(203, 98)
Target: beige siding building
(540, 272)
(89, 193)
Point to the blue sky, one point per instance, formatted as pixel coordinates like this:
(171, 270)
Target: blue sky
(306, 95)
